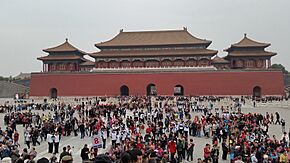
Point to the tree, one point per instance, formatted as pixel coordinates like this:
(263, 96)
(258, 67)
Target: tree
(279, 67)
(3, 78)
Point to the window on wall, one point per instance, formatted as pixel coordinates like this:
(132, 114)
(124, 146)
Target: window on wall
(61, 67)
(166, 63)
(137, 64)
(191, 63)
(259, 63)
(125, 64)
(152, 64)
(250, 63)
(52, 67)
(114, 64)
(239, 63)
(203, 62)
(178, 63)
(71, 66)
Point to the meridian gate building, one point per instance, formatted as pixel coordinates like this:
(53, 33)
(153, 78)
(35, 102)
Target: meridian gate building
(169, 62)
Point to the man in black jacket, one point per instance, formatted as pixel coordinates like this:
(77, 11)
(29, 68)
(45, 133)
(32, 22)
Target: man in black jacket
(85, 153)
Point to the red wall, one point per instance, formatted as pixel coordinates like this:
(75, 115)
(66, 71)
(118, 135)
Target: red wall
(194, 83)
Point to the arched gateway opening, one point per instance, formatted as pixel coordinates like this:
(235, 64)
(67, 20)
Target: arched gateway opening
(53, 93)
(178, 90)
(257, 92)
(124, 90)
(151, 90)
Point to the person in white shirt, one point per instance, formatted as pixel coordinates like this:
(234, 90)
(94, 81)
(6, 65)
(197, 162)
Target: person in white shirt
(27, 139)
(285, 139)
(114, 138)
(50, 142)
(56, 142)
(118, 140)
(254, 158)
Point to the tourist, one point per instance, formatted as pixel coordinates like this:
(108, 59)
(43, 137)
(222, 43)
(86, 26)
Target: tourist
(32, 153)
(283, 157)
(215, 152)
(285, 139)
(190, 149)
(172, 148)
(56, 142)
(104, 136)
(225, 150)
(85, 153)
(63, 153)
(283, 125)
(165, 157)
(53, 159)
(50, 141)
(179, 148)
(206, 152)
(27, 138)
(277, 118)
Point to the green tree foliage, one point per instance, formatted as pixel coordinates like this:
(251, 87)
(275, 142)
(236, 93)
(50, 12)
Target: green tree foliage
(3, 78)
(279, 67)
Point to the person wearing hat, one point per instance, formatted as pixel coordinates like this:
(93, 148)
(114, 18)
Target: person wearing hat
(67, 159)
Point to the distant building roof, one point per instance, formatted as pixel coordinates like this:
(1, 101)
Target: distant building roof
(142, 53)
(153, 38)
(60, 57)
(249, 48)
(64, 47)
(247, 42)
(251, 53)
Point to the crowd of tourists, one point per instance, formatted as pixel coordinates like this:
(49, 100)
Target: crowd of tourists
(145, 129)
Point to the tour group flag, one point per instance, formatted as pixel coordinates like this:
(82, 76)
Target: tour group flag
(97, 141)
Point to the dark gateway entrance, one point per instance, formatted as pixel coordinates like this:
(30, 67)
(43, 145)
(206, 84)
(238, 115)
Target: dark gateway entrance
(124, 90)
(53, 93)
(151, 90)
(178, 90)
(257, 92)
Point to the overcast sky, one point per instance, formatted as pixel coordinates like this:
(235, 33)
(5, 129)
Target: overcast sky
(28, 26)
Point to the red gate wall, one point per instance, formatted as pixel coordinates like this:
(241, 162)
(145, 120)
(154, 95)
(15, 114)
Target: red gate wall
(194, 83)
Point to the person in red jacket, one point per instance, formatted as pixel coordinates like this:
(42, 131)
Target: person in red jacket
(172, 148)
(206, 152)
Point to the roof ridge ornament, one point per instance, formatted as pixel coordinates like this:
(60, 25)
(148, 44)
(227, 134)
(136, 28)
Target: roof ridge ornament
(121, 30)
(66, 39)
(185, 28)
(245, 35)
